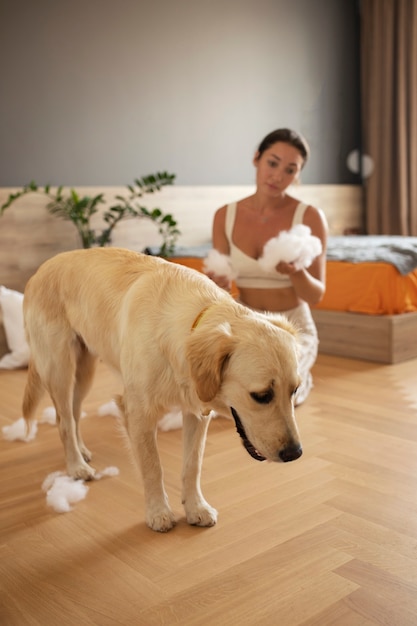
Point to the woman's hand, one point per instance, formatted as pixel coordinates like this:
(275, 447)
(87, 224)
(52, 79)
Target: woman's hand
(286, 268)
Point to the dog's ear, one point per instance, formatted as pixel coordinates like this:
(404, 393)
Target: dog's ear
(207, 354)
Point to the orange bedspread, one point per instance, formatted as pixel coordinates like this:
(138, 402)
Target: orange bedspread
(372, 288)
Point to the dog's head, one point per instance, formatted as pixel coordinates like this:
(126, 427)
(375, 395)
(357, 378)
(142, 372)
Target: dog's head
(247, 368)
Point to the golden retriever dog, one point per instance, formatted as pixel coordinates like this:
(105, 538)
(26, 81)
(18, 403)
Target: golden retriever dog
(176, 340)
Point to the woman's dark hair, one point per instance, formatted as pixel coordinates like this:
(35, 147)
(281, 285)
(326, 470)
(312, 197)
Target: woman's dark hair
(285, 135)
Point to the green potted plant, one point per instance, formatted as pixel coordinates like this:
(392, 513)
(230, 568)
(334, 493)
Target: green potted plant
(80, 209)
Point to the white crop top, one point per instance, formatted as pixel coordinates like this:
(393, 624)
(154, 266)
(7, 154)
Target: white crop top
(250, 273)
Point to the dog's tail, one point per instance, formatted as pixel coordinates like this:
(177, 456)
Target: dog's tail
(34, 391)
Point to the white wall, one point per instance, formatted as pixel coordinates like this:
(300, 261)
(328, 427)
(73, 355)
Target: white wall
(98, 92)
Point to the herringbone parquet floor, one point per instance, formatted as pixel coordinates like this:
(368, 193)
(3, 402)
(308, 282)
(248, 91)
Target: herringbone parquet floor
(328, 540)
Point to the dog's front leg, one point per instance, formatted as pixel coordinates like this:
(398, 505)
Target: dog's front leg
(158, 513)
(197, 510)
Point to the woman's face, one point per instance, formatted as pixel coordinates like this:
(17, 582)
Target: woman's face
(277, 168)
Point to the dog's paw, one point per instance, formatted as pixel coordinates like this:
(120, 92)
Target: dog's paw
(86, 454)
(201, 514)
(161, 521)
(82, 472)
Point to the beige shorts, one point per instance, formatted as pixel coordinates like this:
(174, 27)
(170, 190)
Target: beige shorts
(308, 347)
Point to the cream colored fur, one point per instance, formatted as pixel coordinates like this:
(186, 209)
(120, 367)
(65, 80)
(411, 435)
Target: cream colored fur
(141, 316)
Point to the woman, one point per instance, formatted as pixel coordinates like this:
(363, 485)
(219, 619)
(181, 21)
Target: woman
(241, 230)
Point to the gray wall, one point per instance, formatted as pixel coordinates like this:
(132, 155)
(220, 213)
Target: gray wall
(98, 92)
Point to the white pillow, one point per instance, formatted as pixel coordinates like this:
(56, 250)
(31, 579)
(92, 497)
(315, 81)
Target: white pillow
(11, 304)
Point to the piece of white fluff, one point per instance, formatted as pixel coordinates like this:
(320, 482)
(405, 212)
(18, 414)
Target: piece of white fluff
(170, 421)
(296, 246)
(62, 491)
(219, 264)
(109, 408)
(173, 420)
(49, 416)
(17, 431)
(108, 471)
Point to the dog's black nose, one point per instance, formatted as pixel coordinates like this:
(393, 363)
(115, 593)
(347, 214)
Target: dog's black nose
(291, 453)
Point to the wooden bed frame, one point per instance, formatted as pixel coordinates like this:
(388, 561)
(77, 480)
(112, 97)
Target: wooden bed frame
(379, 338)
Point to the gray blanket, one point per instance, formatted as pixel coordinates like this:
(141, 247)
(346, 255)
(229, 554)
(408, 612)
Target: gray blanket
(399, 251)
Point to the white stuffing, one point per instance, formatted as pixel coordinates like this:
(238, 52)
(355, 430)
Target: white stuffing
(110, 408)
(62, 491)
(18, 431)
(48, 416)
(108, 471)
(296, 246)
(171, 421)
(219, 264)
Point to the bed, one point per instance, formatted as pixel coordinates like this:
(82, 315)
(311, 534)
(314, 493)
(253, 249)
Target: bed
(369, 310)
(376, 275)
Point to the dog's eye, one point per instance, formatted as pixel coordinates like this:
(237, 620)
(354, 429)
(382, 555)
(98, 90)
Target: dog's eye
(295, 391)
(263, 397)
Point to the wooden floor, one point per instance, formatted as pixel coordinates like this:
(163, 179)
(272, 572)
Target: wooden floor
(330, 539)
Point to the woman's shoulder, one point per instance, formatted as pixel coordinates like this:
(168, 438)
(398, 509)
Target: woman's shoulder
(308, 211)
(314, 212)
(224, 215)
(315, 218)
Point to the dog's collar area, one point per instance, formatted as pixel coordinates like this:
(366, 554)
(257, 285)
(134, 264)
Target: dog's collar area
(199, 317)
(250, 448)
